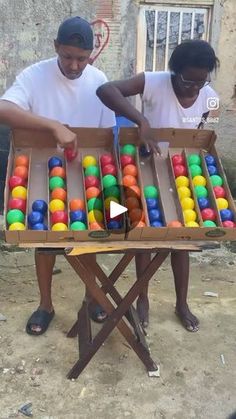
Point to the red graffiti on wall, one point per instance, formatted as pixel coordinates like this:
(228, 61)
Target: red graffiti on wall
(101, 35)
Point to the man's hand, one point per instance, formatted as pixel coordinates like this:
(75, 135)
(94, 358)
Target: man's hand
(146, 136)
(64, 137)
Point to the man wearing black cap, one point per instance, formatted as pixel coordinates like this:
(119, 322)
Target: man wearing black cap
(46, 95)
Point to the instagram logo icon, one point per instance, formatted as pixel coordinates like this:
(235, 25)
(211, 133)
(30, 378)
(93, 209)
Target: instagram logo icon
(213, 103)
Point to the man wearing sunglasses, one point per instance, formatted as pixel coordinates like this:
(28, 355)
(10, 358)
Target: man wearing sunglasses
(179, 98)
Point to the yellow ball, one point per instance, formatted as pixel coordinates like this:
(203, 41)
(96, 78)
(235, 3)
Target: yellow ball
(189, 215)
(89, 161)
(19, 192)
(183, 192)
(17, 226)
(187, 203)
(192, 224)
(56, 205)
(108, 201)
(222, 203)
(95, 216)
(182, 181)
(59, 227)
(199, 181)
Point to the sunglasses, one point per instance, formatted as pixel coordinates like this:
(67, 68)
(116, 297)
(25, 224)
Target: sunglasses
(191, 83)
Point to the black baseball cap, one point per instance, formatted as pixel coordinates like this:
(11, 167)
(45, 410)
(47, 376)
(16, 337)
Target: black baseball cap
(75, 31)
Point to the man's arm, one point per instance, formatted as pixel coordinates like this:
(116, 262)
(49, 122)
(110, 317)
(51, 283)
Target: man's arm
(114, 94)
(16, 117)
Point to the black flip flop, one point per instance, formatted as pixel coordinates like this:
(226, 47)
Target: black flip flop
(94, 312)
(39, 318)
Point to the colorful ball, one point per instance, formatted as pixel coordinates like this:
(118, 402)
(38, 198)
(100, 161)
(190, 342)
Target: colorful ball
(89, 161)
(150, 191)
(112, 191)
(39, 226)
(56, 182)
(130, 169)
(189, 215)
(216, 180)
(187, 203)
(228, 224)
(212, 170)
(154, 215)
(58, 171)
(22, 160)
(200, 191)
(126, 159)
(21, 171)
(17, 226)
(156, 224)
(96, 226)
(56, 205)
(177, 159)
(199, 181)
(219, 192)
(95, 216)
(133, 191)
(195, 170)
(59, 193)
(209, 223)
(54, 162)
(226, 215)
(203, 203)
(35, 217)
(194, 159)
(15, 216)
(182, 181)
(15, 181)
(128, 149)
(59, 217)
(17, 203)
(192, 224)
(210, 160)
(132, 202)
(92, 171)
(91, 181)
(108, 181)
(92, 192)
(106, 159)
(19, 192)
(180, 170)
(40, 205)
(108, 200)
(208, 214)
(59, 227)
(109, 169)
(174, 224)
(78, 215)
(77, 225)
(183, 192)
(113, 225)
(152, 203)
(129, 180)
(76, 204)
(222, 203)
(94, 203)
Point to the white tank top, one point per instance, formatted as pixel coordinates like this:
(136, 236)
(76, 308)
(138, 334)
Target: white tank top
(162, 108)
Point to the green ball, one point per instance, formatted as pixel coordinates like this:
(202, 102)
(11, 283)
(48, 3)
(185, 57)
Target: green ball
(201, 191)
(216, 180)
(92, 171)
(209, 223)
(94, 203)
(56, 182)
(194, 159)
(78, 225)
(108, 181)
(195, 170)
(15, 216)
(129, 149)
(112, 191)
(150, 191)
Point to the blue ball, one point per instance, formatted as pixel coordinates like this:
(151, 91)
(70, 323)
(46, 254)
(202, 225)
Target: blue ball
(212, 170)
(78, 215)
(145, 151)
(35, 217)
(203, 203)
(210, 160)
(156, 224)
(226, 214)
(154, 215)
(39, 226)
(54, 162)
(113, 225)
(40, 205)
(152, 203)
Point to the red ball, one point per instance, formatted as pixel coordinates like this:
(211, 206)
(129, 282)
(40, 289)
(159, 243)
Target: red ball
(180, 170)
(91, 181)
(16, 181)
(208, 214)
(109, 169)
(219, 192)
(17, 203)
(59, 217)
(106, 159)
(177, 159)
(126, 159)
(228, 224)
(70, 154)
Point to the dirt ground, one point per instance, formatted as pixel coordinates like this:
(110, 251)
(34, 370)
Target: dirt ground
(198, 375)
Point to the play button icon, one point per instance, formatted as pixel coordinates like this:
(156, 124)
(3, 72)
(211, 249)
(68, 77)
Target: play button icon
(116, 209)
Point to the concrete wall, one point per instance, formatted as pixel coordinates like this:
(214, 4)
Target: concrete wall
(28, 27)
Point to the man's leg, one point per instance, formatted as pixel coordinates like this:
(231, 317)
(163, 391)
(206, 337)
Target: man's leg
(44, 268)
(142, 260)
(180, 267)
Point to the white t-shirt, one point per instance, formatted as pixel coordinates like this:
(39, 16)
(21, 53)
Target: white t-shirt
(45, 91)
(162, 108)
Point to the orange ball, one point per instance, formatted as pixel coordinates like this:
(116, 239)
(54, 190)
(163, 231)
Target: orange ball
(129, 180)
(130, 169)
(58, 171)
(77, 204)
(92, 192)
(138, 224)
(133, 191)
(132, 203)
(21, 171)
(22, 160)
(174, 223)
(96, 226)
(59, 193)
(137, 215)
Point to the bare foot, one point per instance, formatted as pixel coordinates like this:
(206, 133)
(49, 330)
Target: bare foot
(188, 320)
(143, 310)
